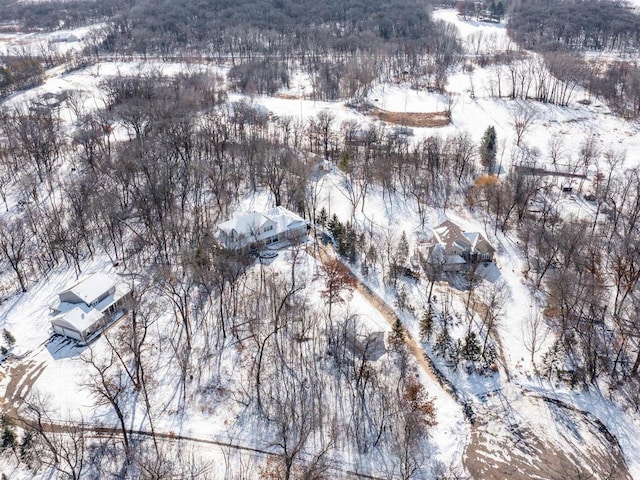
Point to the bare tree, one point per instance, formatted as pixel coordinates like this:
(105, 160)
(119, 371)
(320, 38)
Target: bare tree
(14, 246)
(556, 149)
(320, 128)
(109, 385)
(338, 280)
(61, 446)
(534, 333)
(523, 118)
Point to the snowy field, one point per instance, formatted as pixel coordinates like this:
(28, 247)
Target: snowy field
(60, 42)
(60, 366)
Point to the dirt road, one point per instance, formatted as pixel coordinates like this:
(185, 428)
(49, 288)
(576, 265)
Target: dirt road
(502, 447)
(323, 254)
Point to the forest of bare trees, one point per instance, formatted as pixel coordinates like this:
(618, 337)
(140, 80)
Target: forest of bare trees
(150, 198)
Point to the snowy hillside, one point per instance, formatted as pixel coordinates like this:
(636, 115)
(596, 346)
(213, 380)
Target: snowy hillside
(461, 303)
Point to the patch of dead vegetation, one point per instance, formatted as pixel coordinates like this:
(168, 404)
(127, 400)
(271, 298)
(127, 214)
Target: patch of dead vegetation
(287, 96)
(501, 447)
(412, 119)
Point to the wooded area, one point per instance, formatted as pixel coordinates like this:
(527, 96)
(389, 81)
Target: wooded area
(154, 162)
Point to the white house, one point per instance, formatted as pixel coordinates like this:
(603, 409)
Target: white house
(256, 229)
(63, 37)
(86, 308)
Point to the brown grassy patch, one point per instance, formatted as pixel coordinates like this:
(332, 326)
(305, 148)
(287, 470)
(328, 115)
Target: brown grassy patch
(486, 181)
(407, 119)
(287, 96)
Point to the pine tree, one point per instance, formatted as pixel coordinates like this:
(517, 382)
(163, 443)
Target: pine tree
(335, 227)
(402, 250)
(345, 163)
(8, 337)
(426, 324)
(489, 355)
(471, 349)
(350, 242)
(397, 335)
(443, 343)
(8, 438)
(489, 147)
(322, 217)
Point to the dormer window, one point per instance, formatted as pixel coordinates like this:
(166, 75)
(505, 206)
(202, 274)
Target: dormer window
(268, 228)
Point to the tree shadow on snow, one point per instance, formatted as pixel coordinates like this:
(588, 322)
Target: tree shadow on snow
(62, 347)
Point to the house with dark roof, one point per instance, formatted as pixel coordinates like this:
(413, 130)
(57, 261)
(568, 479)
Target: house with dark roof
(455, 250)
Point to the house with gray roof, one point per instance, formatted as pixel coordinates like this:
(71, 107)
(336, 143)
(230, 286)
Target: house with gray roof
(455, 250)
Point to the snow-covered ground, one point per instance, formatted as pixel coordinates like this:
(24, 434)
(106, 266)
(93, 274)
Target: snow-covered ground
(27, 317)
(59, 42)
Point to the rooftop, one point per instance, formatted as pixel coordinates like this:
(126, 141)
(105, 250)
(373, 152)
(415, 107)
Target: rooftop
(244, 223)
(91, 288)
(251, 222)
(79, 318)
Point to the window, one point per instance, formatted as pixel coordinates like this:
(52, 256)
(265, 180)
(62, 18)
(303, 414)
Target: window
(268, 228)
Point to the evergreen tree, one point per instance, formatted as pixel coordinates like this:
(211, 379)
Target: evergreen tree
(489, 355)
(345, 163)
(335, 227)
(456, 353)
(426, 324)
(489, 148)
(322, 217)
(471, 349)
(402, 250)
(443, 343)
(349, 243)
(397, 335)
(8, 337)
(8, 438)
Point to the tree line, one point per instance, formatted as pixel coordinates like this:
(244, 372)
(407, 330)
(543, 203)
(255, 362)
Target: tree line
(60, 13)
(606, 25)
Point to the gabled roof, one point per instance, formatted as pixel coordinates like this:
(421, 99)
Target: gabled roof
(284, 219)
(448, 234)
(251, 223)
(91, 288)
(79, 318)
(244, 224)
(478, 242)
